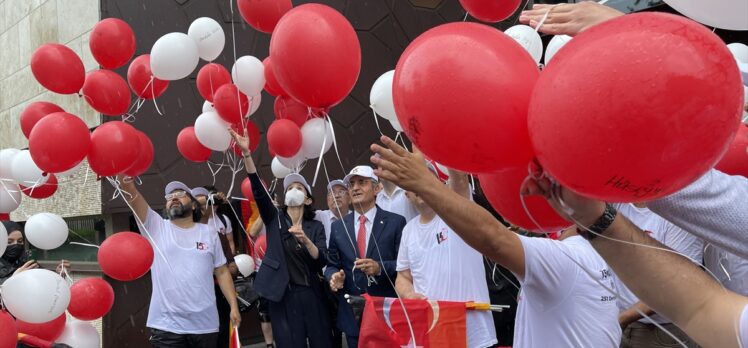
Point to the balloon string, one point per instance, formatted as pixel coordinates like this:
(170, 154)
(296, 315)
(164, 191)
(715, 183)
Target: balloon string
(85, 244)
(376, 120)
(153, 96)
(321, 152)
(335, 142)
(537, 28)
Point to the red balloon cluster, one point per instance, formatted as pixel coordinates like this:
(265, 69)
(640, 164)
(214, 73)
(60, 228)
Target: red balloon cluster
(263, 15)
(284, 138)
(210, 78)
(58, 142)
(290, 109)
(271, 83)
(190, 148)
(90, 299)
(141, 79)
(116, 147)
(48, 331)
(735, 161)
(125, 256)
(34, 112)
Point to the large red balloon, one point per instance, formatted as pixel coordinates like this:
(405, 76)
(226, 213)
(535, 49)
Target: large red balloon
(271, 83)
(125, 256)
(141, 79)
(58, 68)
(114, 148)
(316, 55)
(145, 157)
(227, 101)
(48, 331)
(34, 112)
(263, 15)
(8, 331)
(735, 161)
(90, 299)
(42, 191)
(190, 147)
(636, 108)
(112, 43)
(211, 77)
(107, 92)
(290, 109)
(59, 142)
(284, 138)
(253, 133)
(491, 11)
(461, 93)
(247, 189)
(502, 191)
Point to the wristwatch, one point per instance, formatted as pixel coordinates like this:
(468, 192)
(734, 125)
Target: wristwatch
(602, 224)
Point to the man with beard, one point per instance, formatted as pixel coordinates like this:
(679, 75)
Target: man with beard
(183, 311)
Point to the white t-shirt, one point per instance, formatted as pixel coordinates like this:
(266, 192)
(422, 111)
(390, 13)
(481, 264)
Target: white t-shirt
(398, 203)
(664, 232)
(219, 226)
(445, 268)
(560, 304)
(731, 270)
(326, 217)
(183, 300)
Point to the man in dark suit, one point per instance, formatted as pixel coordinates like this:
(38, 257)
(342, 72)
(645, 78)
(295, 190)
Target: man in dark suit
(363, 249)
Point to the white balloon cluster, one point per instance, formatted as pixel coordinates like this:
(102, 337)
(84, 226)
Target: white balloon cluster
(380, 99)
(175, 55)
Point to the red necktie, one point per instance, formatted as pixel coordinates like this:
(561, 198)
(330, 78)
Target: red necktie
(361, 237)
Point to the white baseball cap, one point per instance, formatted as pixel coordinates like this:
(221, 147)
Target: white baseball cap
(362, 171)
(296, 177)
(336, 182)
(176, 185)
(200, 191)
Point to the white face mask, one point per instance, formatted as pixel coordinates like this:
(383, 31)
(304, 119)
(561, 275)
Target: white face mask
(295, 197)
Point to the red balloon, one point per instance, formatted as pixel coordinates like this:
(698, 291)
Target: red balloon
(125, 256)
(491, 11)
(472, 117)
(291, 109)
(502, 190)
(145, 157)
(90, 299)
(226, 101)
(107, 92)
(735, 161)
(8, 331)
(247, 189)
(211, 77)
(42, 191)
(59, 142)
(34, 112)
(316, 55)
(114, 148)
(263, 15)
(190, 147)
(112, 43)
(636, 108)
(48, 331)
(139, 77)
(284, 137)
(253, 133)
(271, 83)
(58, 68)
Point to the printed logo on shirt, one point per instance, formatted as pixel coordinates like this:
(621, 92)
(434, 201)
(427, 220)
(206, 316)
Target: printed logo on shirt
(202, 246)
(440, 237)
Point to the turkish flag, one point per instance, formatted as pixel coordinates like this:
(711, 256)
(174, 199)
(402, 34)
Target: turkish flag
(432, 323)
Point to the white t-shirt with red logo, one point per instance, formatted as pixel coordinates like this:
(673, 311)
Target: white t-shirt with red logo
(183, 300)
(445, 268)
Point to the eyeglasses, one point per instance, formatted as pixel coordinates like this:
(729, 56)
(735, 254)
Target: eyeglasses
(175, 194)
(338, 194)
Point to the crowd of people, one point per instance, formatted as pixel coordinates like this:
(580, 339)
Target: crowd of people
(621, 275)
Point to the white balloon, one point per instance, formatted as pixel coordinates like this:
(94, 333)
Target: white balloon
(248, 74)
(70, 171)
(79, 334)
(279, 170)
(174, 56)
(10, 197)
(46, 231)
(396, 124)
(528, 38)
(212, 131)
(245, 264)
(25, 172)
(209, 37)
(739, 51)
(254, 104)
(6, 164)
(723, 14)
(36, 295)
(292, 163)
(314, 134)
(380, 96)
(3, 239)
(556, 43)
(207, 106)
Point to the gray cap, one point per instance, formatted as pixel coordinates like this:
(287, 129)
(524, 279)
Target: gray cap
(200, 191)
(296, 177)
(176, 185)
(336, 182)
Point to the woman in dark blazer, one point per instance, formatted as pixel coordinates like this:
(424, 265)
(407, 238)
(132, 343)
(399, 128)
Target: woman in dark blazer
(290, 276)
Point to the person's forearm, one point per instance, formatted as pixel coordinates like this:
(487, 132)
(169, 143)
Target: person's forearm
(313, 250)
(631, 315)
(254, 230)
(134, 198)
(249, 164)
(403, 286)
(227, 285)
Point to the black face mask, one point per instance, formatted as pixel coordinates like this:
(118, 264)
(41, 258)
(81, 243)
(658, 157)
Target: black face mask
(13, 252)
